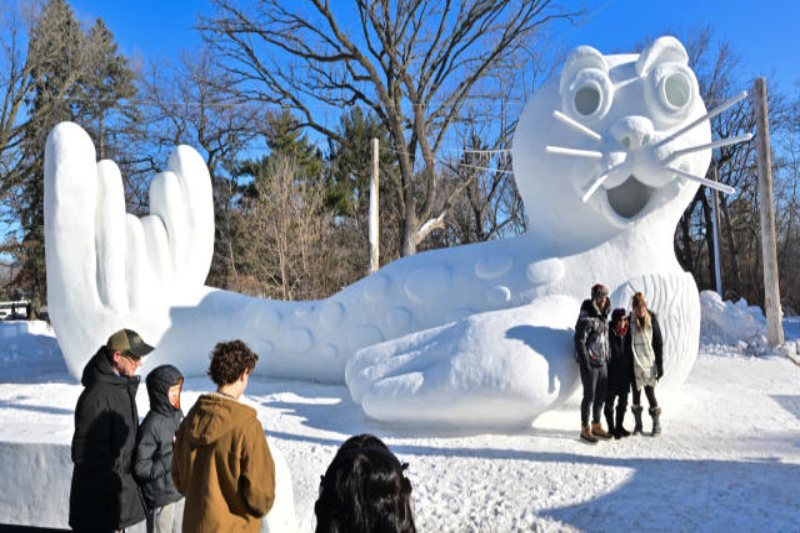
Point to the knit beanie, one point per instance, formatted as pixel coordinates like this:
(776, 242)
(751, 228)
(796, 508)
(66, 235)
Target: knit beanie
(599, 290)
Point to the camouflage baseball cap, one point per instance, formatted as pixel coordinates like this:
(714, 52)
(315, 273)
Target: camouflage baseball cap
(129, 343)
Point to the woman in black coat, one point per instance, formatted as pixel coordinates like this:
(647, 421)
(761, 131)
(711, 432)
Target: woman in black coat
(620, 373)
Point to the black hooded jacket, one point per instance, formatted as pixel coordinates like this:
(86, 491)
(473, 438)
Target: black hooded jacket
(620, 364)
(104, 496)
(591, 335)
(154, 444)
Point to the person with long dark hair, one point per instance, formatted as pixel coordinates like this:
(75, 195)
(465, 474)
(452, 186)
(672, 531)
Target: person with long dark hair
(364, 490)
(620, 373)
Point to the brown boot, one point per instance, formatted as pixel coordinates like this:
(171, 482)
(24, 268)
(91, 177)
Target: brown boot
(599, 432)
(586, 435)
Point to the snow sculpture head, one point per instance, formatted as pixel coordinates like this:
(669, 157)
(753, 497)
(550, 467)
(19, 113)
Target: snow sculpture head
(604, 132)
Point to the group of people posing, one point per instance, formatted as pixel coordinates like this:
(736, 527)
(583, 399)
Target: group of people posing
(616, 357)
(216, 457)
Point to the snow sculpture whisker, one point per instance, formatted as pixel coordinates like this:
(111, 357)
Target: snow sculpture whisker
(708, 116)
(727, 189)
(574, 152)
(577, 126)
(709, 146)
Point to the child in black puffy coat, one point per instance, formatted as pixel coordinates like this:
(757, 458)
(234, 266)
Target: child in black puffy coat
(620, 374)
(153, 461)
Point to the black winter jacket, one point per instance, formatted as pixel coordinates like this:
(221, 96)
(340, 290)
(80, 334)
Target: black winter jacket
(104, 496)
(620, 365)
(591, 335)
(154, 443)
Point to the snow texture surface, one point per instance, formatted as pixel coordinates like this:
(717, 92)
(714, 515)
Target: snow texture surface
(728, 459)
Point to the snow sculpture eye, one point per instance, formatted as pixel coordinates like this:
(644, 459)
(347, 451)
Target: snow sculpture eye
(589, 95)
(586, 91)
(587, 99)
(671, 86)
(675, 86)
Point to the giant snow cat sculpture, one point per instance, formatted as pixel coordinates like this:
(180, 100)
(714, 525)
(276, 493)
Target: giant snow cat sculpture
(606, 158)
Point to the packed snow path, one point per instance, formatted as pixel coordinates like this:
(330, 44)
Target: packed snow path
(728, 459)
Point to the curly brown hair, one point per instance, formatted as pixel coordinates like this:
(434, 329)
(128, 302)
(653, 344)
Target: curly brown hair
(229, 360)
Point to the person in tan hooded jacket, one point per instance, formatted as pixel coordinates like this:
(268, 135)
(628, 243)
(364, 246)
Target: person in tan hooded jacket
(221, 462)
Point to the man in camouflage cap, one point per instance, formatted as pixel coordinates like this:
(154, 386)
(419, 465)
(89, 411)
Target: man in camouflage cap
(104, 496)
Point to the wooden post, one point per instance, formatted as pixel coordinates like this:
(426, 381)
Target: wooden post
(374, 224)
(769, 252)
(715, 223)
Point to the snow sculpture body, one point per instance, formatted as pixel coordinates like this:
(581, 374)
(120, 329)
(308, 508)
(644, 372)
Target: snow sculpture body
(477, 335)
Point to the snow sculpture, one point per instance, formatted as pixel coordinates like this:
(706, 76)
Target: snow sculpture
(606, 158)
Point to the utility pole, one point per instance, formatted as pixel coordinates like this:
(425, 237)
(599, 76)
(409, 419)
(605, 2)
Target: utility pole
(769, 252)
(374, 225)
(715, 223)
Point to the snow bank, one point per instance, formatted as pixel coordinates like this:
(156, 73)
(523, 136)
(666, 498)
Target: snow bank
(35, 483)
(732, 323)
(29, 352)
(24, 340)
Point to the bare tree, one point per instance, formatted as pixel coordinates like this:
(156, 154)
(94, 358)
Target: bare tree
(413, 62)
(16, 84)
(285, 254)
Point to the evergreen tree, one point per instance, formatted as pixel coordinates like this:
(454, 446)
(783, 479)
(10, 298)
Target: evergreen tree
(106, 85)
(75, 76)
(56, 51)
(285, 139)
(351, 160)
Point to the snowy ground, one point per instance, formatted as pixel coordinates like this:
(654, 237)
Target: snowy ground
(728, 458)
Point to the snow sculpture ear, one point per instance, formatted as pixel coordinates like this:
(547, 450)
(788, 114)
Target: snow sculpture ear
(672, 87)
(586, 90)
(580, 58)
(665, 49)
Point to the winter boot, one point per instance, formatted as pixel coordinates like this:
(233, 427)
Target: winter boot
(637, 416)
(599, 432)
(619, 430)
(609, 412)
(586, 435)
(655, 412)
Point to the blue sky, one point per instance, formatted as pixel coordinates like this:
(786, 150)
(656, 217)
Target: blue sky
(763, 33)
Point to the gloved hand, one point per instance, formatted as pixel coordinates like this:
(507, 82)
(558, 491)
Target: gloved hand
(660, 373)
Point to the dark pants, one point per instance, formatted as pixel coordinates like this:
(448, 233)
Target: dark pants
(613, 395)
(595, 381)
(649, 391)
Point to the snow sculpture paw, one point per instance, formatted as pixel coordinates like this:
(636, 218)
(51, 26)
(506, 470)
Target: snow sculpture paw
(493, 369)
(107, 269)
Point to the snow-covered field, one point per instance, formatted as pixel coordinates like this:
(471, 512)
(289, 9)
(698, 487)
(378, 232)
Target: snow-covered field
(728, 458)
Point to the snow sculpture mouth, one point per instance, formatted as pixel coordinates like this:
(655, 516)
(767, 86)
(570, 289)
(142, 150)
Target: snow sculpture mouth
(630, 198)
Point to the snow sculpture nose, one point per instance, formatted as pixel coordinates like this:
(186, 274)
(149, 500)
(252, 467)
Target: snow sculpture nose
(633, 132)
